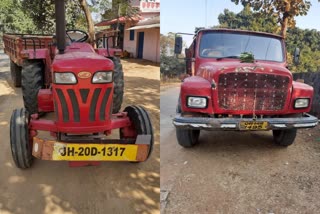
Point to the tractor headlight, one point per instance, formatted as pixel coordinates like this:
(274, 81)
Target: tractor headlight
(196, 102)
(64, 78)
(301, 103)
(102, 77)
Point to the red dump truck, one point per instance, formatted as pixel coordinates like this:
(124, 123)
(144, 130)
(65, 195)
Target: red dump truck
(239, 80)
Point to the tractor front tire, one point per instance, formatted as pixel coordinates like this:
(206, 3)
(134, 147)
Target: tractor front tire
(118, 85)
(15, 74)
(32, 82)
(284, 137)
(187, 137)
(21, 145)
(141, 122)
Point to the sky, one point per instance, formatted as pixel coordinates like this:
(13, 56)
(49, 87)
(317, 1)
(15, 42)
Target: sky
(185, 15)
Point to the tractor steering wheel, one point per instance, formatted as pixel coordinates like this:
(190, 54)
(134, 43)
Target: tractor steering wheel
(83, 36)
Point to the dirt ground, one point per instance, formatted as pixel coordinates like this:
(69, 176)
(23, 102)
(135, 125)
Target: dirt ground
(236, 172)
(53, 187)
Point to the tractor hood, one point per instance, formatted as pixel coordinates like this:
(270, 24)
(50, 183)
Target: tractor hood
(81, 61)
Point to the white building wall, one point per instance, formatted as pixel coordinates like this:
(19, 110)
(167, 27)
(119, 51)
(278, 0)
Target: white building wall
(151, 45)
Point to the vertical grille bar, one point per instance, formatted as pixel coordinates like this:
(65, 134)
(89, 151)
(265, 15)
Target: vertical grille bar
(84, 94)
(65, 111)
(104, 104)
(75, 105)
(93, 105)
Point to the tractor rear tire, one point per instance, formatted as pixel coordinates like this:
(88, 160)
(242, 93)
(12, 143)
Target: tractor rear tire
(32, 82)
(141, 122)
(187, 137)
(284, 137)
(21, 145)
(118, 85)
(15, 74)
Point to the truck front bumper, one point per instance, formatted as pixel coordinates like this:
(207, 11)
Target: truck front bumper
(207, 123)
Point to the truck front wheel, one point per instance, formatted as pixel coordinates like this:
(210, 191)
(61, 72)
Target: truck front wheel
(187, 137)
(284, 137)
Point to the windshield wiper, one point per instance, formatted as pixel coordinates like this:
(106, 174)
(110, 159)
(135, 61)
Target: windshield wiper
(230, 57)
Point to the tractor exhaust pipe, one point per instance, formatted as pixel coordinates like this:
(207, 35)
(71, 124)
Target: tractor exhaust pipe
(60, 25)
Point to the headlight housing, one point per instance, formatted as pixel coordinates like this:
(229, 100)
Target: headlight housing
(197, 102)
(102, 77)
(64, 78)
(301, 103)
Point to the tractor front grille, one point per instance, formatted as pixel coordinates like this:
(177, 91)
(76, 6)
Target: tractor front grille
(85, 105)
(252, 91)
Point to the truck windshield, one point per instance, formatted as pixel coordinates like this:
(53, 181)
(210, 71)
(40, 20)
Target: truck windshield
(231, 45)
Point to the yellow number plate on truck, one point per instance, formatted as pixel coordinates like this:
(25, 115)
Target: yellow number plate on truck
(94, 152)
(253, 125)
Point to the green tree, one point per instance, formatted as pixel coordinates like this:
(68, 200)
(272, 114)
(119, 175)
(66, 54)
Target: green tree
(13, 19)
(170, 65)
(42, 12)
(285, 11)
(248, 20)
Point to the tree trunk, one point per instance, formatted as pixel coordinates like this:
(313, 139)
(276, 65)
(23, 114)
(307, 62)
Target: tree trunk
(285, 18)
(86, 10)
(118, 24)
(284, 27)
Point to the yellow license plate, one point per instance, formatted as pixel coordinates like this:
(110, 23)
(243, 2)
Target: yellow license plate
(94, 152)
(253, 125)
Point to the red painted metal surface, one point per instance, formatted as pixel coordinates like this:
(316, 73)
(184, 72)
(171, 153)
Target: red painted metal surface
(104, 52)
(196, 86)
(79, 47)
(21, 46)
(84, 106)
(300, 90)
(45, 100)
(233, 87)
(88, 127)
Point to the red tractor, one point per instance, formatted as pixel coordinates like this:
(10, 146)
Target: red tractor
(239, 80)
(83, 86)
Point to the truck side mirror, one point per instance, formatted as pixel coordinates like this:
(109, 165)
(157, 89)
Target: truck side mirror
(296, 56)
(178, 45)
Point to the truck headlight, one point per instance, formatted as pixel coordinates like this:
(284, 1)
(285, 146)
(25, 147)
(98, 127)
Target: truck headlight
(196, 102)
(102, 77)
(301, 103)
(64, 78)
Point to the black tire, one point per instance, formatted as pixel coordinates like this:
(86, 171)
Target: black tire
(178, 108)
(187, 137)
(32, 82)
(118, 85)
(15, 74)
(21, 144)
(142, 123)
(284, 137)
